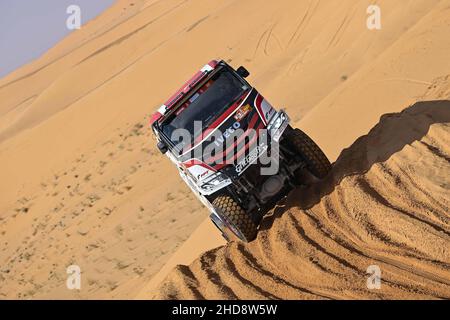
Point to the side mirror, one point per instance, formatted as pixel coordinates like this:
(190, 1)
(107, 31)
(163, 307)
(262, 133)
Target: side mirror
(162, 147)
(243, 72)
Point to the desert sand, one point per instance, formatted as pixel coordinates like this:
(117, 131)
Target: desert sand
(384, 204)
(82, 182)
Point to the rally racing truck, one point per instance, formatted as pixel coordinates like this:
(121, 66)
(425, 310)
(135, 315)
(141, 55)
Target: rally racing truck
(237, 153)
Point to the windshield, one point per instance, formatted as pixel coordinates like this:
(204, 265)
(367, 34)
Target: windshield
(205, 105)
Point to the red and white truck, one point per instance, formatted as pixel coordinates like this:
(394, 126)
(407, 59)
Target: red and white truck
(237, 153)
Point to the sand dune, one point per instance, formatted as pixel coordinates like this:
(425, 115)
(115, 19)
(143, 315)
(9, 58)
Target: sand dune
(411, 69)
(386, 203)
(82, 182)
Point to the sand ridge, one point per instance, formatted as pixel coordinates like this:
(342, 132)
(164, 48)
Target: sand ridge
(385, 203)
(81, 180)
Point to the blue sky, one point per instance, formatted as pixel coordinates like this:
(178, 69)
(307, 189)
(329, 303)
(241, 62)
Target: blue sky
(28, 28)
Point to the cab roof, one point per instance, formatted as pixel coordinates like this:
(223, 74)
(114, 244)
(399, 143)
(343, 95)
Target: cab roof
(200, 75)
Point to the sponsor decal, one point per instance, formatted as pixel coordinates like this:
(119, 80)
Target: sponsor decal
(269, 114)
(242, 112)
(227, 133)
(250, 158)
(203, 174)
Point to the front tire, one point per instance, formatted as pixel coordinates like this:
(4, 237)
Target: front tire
(237, 223)
(316, 161)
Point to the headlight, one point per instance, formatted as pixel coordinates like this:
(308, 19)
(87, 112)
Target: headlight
(278, 125)
(277, 121)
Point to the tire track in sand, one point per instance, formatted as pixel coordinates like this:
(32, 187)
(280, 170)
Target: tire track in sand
(380, 206)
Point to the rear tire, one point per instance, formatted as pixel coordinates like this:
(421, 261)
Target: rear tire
(235, 219)
(316, 161)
